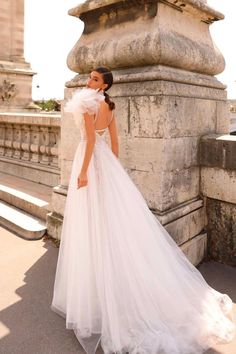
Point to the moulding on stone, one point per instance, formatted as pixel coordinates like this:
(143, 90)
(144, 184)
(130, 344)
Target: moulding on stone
(179, 211)
(200, 5)
(154, 73)
(165, 36)
(8, 67)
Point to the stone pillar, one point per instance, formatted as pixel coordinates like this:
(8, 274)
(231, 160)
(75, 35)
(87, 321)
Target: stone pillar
(164, 61)
(15, 73)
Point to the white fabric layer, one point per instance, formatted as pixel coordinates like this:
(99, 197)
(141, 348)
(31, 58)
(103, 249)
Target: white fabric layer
(82, 101)
(120, 277)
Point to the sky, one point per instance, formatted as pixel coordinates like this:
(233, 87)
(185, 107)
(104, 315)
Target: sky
(50, 34)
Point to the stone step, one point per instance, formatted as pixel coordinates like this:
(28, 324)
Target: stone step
(21, 223)
(31, 197)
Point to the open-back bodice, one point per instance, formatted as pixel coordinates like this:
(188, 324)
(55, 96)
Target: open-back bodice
(99, 132)
(102, 131)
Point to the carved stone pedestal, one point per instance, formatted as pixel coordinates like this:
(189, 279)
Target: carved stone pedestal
(163, 60)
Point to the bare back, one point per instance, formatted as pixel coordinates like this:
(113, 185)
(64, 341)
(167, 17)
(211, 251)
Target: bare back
(105, 119)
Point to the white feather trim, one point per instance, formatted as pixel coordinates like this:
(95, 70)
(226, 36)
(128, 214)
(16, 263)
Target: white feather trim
(84, 100)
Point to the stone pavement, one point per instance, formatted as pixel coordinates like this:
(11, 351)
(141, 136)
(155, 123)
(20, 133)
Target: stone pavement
(27, 324)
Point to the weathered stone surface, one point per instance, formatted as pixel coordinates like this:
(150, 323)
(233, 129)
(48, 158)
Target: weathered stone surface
(187, 227)
(72, 134)
(223, 121)
(155, 155)
(54, 225)
(165, 190)
(232, 115)
(46, 119)
(12, 37)
(172, 34)
(217, 150)
(58, 200)
(196, 249)
(218, 184)
(158, 134)
(32, 173)
(222, 231)
(159, 87)
(164, 116)
(167, 217)
(158, 80)
(166, 99)
(66, 166)
(122, 115)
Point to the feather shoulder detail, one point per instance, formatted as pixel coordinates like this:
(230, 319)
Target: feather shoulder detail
(85, 100)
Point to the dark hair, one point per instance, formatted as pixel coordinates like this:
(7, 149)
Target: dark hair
(108, 79)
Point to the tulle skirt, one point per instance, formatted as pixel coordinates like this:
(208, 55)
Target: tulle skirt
(121, 279)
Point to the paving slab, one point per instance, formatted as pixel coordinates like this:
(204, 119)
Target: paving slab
(29, 326)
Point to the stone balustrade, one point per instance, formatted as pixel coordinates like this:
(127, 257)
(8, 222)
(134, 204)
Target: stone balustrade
(30, 141)
(217, 157)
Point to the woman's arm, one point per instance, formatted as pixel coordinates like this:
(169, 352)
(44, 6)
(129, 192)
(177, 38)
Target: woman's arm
(114, 137)
(91, 138)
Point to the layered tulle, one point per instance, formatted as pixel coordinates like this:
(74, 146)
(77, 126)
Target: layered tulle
(85, 100)
(121, 278)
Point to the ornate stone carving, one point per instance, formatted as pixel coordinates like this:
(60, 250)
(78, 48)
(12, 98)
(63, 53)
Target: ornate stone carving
(8, 91)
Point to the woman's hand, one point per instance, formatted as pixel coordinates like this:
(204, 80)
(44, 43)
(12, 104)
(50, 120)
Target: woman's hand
(82, 180)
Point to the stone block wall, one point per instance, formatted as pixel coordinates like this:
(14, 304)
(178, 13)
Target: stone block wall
(218, 186)
(166, 98)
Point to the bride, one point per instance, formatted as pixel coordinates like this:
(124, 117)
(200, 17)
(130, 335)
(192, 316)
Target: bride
(121, 279)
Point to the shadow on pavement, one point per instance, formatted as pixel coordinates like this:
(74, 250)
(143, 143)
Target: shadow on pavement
(34, 327)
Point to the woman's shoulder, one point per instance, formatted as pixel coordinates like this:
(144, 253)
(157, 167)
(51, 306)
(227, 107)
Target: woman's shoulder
(105, 110)
(84, 100)
(104, 106)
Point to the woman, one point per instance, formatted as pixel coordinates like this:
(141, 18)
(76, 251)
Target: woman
(120, 277)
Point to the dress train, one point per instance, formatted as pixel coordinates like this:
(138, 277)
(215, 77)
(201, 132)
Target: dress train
(120, 278)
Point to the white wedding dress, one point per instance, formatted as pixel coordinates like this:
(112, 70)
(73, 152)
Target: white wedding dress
(120, 277)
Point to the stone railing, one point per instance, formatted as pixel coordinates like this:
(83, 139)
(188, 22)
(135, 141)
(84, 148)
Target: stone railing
(30, 141)
(233, 122)
(218, 186)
